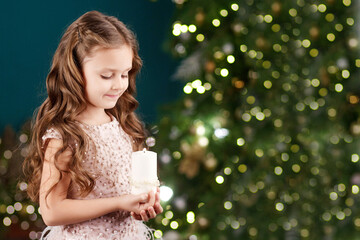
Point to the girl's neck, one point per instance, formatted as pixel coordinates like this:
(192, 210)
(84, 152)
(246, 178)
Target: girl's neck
(94, 117)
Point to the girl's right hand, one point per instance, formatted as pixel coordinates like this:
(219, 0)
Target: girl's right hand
(137, 203)
(151, 212)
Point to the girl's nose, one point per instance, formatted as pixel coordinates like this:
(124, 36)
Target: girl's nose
(117, 83)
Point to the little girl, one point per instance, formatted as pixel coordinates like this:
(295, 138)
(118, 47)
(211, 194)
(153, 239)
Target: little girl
(80, 153)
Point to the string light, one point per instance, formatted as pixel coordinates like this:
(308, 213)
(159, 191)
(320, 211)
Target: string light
(234, 7)
(219, 179)
(339, 27)
(216, 22)
(345, 74)
(243, 48)
(330, 17)
(200, 37)
(279, 206)
(293, 12)
(174, 225)
(268, 18)
(190, 217)
(314, 52)
(165, 193)
(347, 3)
(355, 189)
(242, 168)
(306, 43)
(275, 28)
(223, 12)
(228, 205)
(227, 171)
(333, 196)
(192, 28)
(350, 21)
(224, 72)
(355, 158)
(357, 63)
(278, 170)
(230, 59)
(330, 37)
(158, 234)
(322, 8)
(188, 89)
(339, 87)
(183, 28)
(7, 221)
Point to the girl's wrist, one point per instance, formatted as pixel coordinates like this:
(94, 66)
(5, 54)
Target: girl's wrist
(120, 203)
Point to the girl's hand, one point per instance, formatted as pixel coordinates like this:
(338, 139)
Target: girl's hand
(136, 203)
(151, 211)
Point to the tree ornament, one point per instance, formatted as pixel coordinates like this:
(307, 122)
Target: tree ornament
(355, 128)
(193, 156)
(276, 8)
(324, 77)
(342, 63)
(228, 48)
(173, 235)
(180, 203)
(260, 42)
(203, 222)
(314, 32)
(237, 28)
(200, 17)
(210, 162)
(210, 66)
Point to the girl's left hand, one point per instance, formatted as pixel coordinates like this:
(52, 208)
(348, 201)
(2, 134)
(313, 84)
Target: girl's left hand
(151, 211)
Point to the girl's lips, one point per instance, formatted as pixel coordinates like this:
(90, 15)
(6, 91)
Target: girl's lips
(112, 96)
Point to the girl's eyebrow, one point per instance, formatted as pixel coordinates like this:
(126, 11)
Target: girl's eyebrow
(116, 70)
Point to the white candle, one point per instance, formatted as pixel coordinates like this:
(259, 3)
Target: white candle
(144, 172)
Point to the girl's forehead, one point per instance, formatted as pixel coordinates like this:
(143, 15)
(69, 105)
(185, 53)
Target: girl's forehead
(111, 58)
(100, 53)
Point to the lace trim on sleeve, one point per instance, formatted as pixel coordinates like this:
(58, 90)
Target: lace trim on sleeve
(51, 133)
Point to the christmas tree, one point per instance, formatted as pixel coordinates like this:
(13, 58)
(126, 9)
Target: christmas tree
(20, 218)
(264, 144)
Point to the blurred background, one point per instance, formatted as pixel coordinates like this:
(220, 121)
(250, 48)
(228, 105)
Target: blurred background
(253, 109)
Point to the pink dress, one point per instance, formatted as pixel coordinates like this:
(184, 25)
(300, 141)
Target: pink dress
(108, 159)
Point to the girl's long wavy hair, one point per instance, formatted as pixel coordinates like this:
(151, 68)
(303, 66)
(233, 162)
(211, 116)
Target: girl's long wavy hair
(66, 98)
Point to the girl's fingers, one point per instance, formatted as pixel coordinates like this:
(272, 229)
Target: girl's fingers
(151, 212)
(136, 216)
(158, 208)
(151, 198)
(144, 215)
(157, 196)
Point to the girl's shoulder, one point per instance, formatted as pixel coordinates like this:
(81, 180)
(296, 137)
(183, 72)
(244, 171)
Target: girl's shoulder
(51, 132)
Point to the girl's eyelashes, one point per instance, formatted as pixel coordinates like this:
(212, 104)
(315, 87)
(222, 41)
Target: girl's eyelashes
(106, 76)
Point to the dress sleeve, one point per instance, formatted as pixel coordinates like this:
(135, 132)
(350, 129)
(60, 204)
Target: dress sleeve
(50, 134)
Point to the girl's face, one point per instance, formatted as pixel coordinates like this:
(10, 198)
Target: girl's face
(106, 74)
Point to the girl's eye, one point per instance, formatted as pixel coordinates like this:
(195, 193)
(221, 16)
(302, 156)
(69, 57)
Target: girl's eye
(106, 76)
(124, 76)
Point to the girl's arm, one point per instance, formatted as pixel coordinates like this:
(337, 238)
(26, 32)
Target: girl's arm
(57, 209)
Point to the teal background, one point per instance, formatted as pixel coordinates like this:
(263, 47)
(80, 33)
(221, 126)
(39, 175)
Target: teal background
(30, 32)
